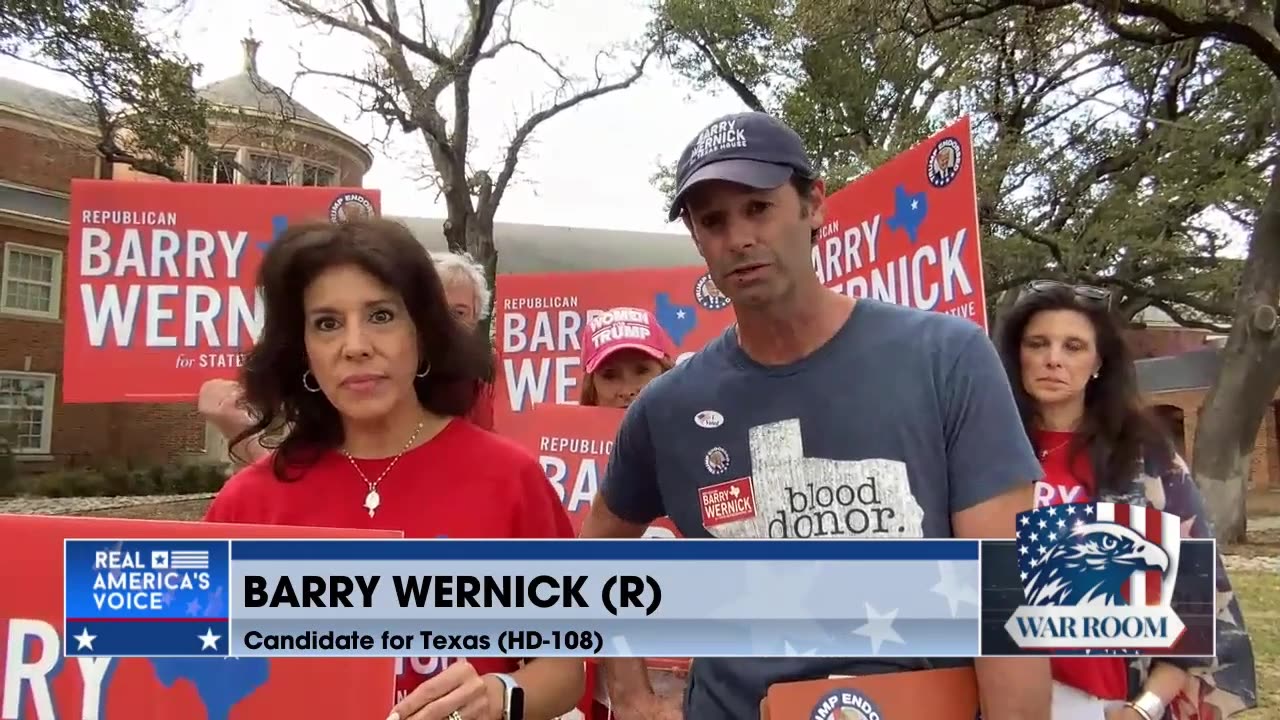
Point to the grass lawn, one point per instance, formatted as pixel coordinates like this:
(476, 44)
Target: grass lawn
(1260, 601)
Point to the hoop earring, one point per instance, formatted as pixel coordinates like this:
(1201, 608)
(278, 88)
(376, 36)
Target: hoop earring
(424, 373)
(305, 386)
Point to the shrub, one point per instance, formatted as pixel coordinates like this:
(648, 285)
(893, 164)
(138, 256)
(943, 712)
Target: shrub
(114, 481)
(69, 483)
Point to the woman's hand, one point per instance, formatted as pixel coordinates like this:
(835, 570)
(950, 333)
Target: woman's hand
(1124, 712)
(457, 693)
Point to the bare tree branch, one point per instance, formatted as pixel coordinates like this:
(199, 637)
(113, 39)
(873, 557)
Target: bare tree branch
(526, 129)
(405, 83)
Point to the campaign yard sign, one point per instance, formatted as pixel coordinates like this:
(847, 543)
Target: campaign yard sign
(161, 280)
(907, 232)
(539, 321)
(573, 443)
(39, 682)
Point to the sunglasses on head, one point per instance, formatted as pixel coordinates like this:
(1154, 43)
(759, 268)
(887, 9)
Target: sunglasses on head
(1088, 293)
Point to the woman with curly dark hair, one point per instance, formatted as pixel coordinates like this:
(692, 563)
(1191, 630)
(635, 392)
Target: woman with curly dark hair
(362, 362)
(1076, 388)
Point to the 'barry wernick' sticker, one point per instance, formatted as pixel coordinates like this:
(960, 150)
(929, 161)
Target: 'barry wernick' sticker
(727, 502)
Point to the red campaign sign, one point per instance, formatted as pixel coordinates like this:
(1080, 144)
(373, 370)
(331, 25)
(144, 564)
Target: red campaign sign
(907, 232)
(540, 318)
(573, 444)
(36, 681)
(160, 280)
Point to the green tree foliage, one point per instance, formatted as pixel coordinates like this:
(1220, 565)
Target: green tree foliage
(1099, 160)
(143, 104)
(1245, 50)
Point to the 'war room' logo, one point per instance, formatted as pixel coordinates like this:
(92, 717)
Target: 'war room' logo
(1097, 576)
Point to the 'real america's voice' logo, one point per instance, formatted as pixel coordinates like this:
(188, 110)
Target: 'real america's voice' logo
(1097, 576)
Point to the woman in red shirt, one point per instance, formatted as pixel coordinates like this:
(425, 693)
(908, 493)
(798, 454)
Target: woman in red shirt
(1076, 387)
(360, 359)
(220, 401)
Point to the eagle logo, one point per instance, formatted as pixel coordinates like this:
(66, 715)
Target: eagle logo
(1097, 577)
(1091, 565)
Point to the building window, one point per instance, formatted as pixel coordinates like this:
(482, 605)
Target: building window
(26, 411)
(31, 283)
(267, 170)
(317, 176)
(220, 169)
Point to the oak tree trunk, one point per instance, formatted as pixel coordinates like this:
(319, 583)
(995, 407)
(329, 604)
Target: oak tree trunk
(1247, 381)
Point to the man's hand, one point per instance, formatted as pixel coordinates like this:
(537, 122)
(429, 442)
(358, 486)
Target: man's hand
(220, 403)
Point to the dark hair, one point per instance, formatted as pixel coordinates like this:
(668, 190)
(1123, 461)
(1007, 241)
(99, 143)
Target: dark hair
(272, 375)
(1117, 429)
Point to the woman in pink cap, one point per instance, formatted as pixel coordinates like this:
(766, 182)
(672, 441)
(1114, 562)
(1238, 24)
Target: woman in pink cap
(623, 348)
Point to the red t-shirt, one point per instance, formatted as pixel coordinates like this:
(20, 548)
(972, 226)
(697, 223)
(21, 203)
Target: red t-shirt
(463, 483)
(1069, 479)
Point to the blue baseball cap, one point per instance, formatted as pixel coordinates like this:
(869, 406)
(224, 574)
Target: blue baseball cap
(751, 148)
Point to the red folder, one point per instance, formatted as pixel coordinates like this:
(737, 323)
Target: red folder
(950, 694)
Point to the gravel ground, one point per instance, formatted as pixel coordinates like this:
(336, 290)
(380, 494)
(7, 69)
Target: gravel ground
(1252, 564)
(89, 505)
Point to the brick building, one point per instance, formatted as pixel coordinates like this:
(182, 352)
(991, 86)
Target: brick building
(1175, 367)
(49, 139)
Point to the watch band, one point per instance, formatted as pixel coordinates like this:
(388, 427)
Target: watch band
(1148, 705)
(510, 688)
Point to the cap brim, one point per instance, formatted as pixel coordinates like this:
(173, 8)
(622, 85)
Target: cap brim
(752, 173)
(599, 357)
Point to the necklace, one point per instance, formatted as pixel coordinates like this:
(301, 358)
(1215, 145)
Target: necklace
(373, 500)
(1045, 453)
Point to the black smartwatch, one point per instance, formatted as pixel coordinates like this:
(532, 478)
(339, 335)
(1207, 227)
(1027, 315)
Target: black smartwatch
(512, 697)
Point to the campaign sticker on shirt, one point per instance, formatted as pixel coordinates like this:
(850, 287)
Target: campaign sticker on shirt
(708, 419)
(717, 460)
(727, 502)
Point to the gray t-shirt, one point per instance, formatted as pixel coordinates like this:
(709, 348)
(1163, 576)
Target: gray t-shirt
(902, 419)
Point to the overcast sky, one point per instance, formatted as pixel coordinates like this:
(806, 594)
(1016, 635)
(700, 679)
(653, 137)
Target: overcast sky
(588, 167)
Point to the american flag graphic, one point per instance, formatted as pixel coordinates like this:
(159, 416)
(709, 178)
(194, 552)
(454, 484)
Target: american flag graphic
(1073, 552)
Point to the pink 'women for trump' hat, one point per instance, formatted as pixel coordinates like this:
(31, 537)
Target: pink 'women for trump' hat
(622, 328)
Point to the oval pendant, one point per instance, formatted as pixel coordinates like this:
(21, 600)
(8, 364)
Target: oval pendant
(371, 501)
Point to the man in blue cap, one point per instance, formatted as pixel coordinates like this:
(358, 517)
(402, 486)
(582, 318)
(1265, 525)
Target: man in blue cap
(812, 391)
